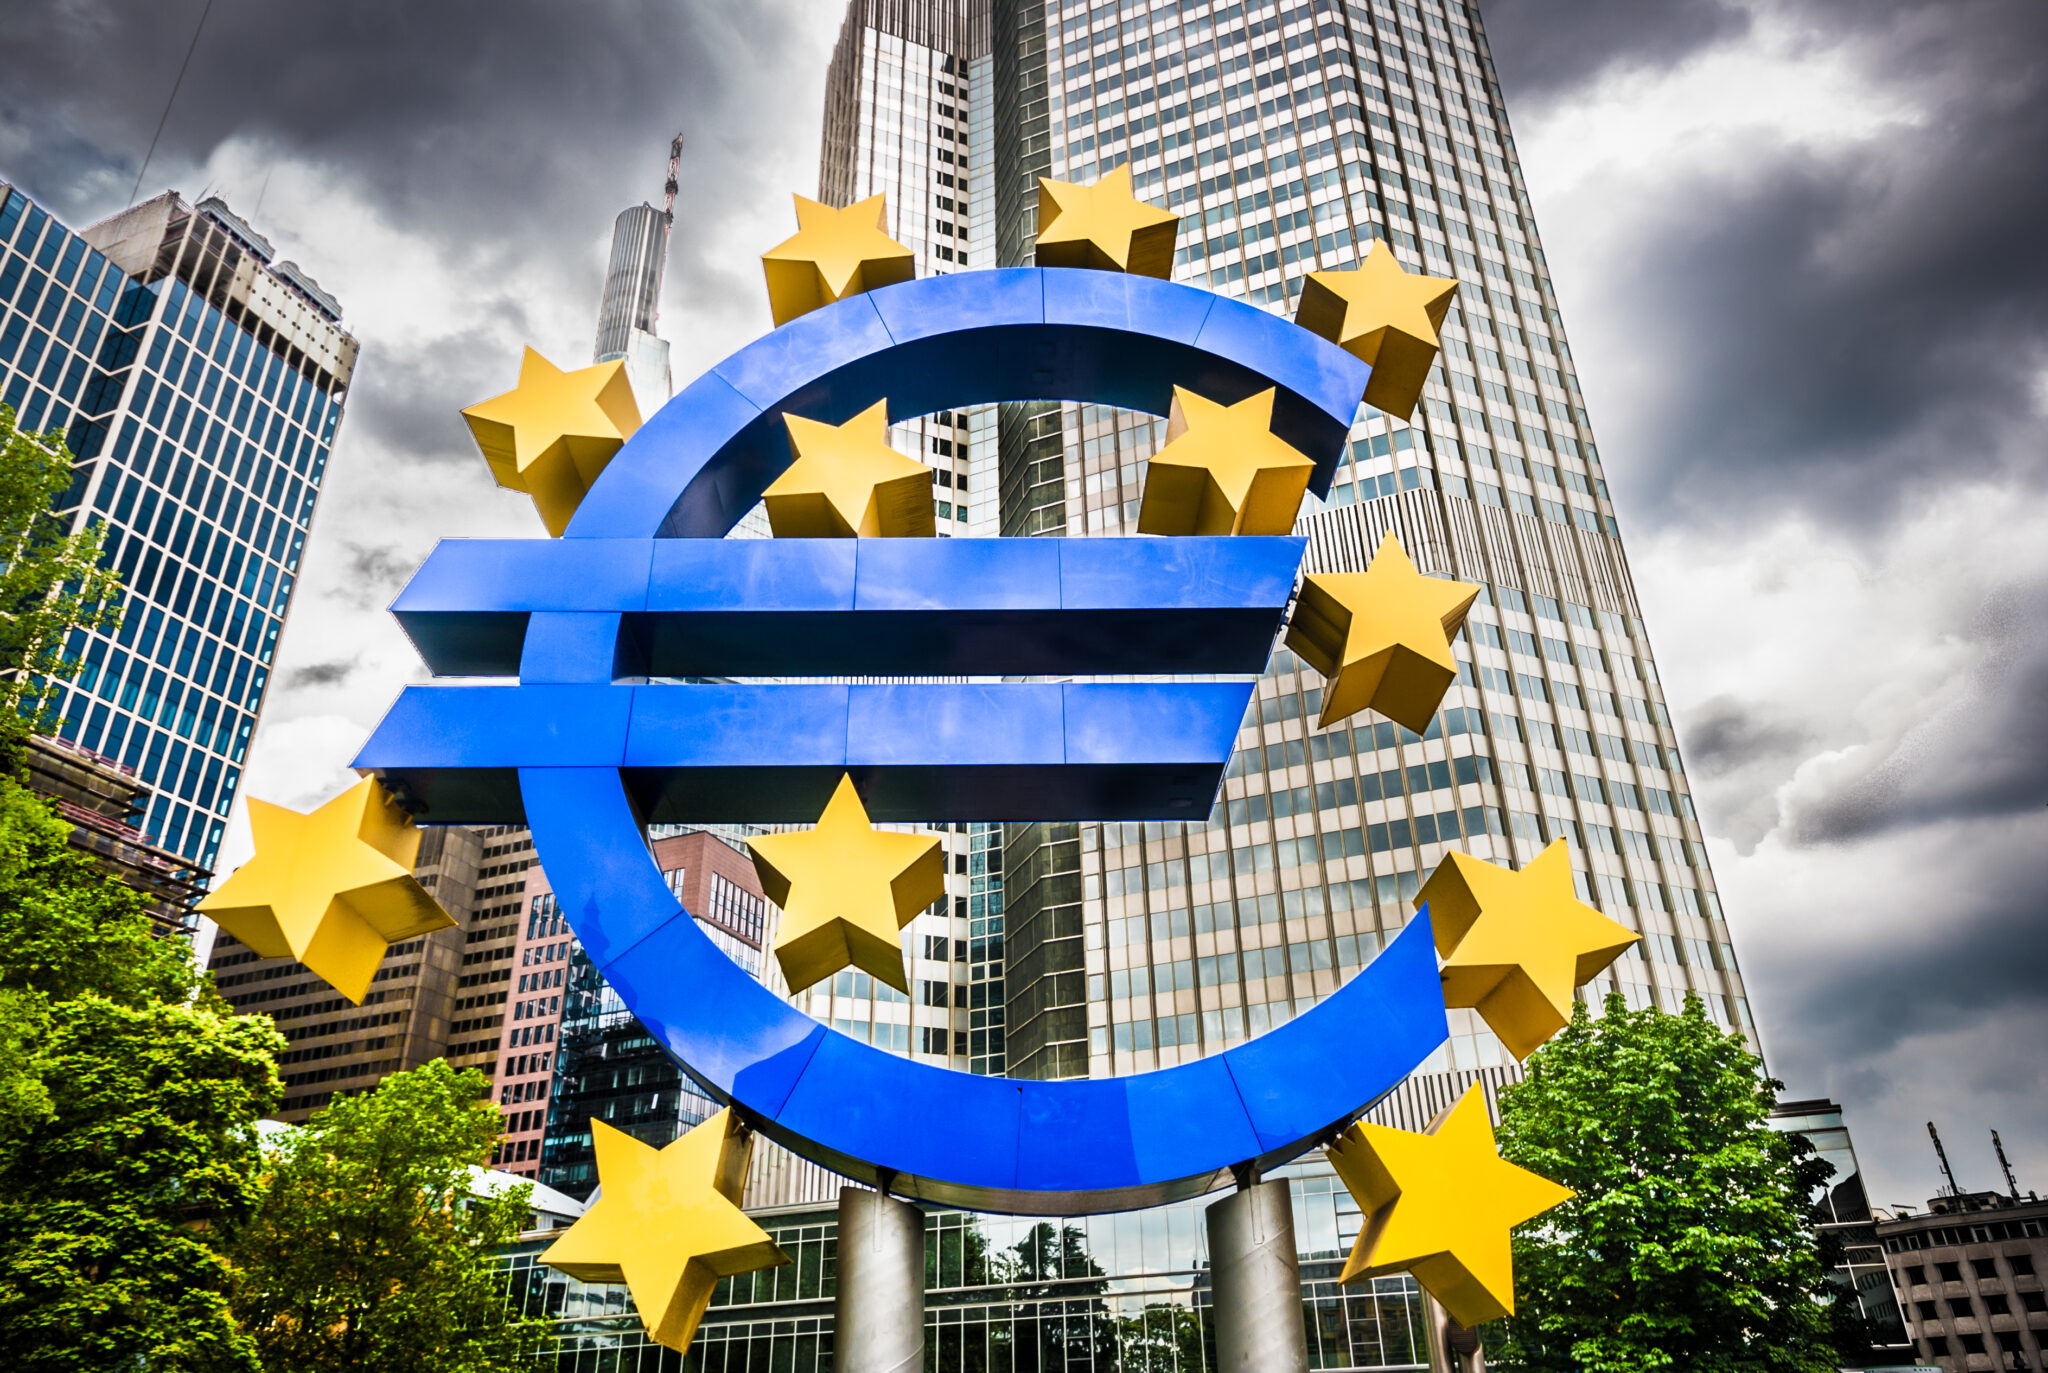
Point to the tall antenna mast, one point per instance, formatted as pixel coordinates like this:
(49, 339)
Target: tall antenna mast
(2011, 1185)
(1942, 1154)
(675, 167)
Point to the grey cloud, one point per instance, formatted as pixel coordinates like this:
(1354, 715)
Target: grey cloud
(1845, 332)
(1982, 756)
(319, 675)
(1725, 734)
(373, 575)
(1543, 48)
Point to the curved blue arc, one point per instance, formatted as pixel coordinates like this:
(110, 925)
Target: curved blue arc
(1030, 1148)
(692, 471)
(970, 338)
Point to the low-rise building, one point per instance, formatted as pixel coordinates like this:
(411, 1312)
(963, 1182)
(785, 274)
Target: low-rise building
(1968, 1275)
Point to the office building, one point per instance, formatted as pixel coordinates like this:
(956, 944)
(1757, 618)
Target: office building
(199, 381)
(1841, 1211)
(1968, 1273)
(569, 1053)
(442, 995)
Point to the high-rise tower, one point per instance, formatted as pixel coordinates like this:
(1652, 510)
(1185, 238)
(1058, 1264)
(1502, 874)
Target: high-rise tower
(632, 292)
(201, 382)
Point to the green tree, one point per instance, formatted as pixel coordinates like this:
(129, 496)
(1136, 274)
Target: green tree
(369, 1248)
(51, 583)
(1688, 1244)
(128, 1096)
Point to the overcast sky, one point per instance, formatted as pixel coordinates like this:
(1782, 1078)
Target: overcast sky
(1799, 249)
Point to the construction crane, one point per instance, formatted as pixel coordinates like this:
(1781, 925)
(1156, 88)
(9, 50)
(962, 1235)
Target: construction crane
(668, 190)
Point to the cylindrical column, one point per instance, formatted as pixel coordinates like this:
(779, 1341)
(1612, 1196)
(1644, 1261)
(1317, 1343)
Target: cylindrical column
(1257, 1279)
(880, 1306)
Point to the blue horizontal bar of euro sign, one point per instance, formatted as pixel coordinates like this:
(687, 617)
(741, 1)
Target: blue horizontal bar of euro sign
(958, 340)
(863, 607)
(717, 752)
(954, 1138)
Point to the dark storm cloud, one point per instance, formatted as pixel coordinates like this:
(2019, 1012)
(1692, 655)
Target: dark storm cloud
(1545, 48)
(492, 125)
(1984, 755)
(374, 573)
(1725, 734)
(1846, 331)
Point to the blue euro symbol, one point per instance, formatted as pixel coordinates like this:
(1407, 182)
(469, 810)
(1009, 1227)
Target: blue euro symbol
(598, 739)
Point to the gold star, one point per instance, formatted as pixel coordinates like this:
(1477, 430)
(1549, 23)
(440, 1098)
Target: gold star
(1517, 944)
(1104, 226)
(553, 433)
(1385, 317)
(847, 481)
(668, 1224)
(1382, 637)
(332, 889)
(1223, 471)
(1440, 1205)
(834, 254)
(846, 889)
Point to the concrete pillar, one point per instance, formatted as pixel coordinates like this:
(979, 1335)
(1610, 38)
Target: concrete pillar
(880, 1306)
(1256, 1275)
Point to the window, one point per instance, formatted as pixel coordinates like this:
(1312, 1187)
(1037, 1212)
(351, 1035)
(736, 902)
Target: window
(1972, 1344)
(1938, 1346)
(1959, 1309)
(1916, 1275)
(2034, 1301)
(1984, 1268)
(1927, 1311)
(1997, 1304)
(1950, 1272)
(2009, 1342)
(2022, 1265)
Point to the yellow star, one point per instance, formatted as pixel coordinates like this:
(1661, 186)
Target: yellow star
(1440, 1205)
(668, 1224)
(1517, 944)
(834, 254)
(1223, 471)
(1382, 637)
(846, 889)
(332, 889)
(1104, 226)
(1385, 317)
(553, 433)
(847, 481)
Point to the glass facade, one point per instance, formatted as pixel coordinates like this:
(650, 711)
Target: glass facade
(1288, 138)
(1004, 1294)
(200, 385)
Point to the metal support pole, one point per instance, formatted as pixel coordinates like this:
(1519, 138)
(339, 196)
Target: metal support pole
(1452, 1348)
(1257, 1278)
(880, 1306)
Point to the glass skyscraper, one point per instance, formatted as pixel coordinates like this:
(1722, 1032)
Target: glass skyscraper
(200, 382)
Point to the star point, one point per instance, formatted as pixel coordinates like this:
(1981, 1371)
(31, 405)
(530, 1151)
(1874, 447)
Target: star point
(1103, 226)
(846, 890)
(834, 253)
(551, 435)
(667, 1224)
(333, 888)
(1517, 945)
(1223, 471)
(1386, 317)
(1441, 1205)
(1382, 637)
(848, 482)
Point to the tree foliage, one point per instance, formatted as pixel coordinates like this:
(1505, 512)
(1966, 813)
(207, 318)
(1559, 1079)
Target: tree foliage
(128, 1096)
(51, 582)
(368, 1250)
(1688, 1244)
